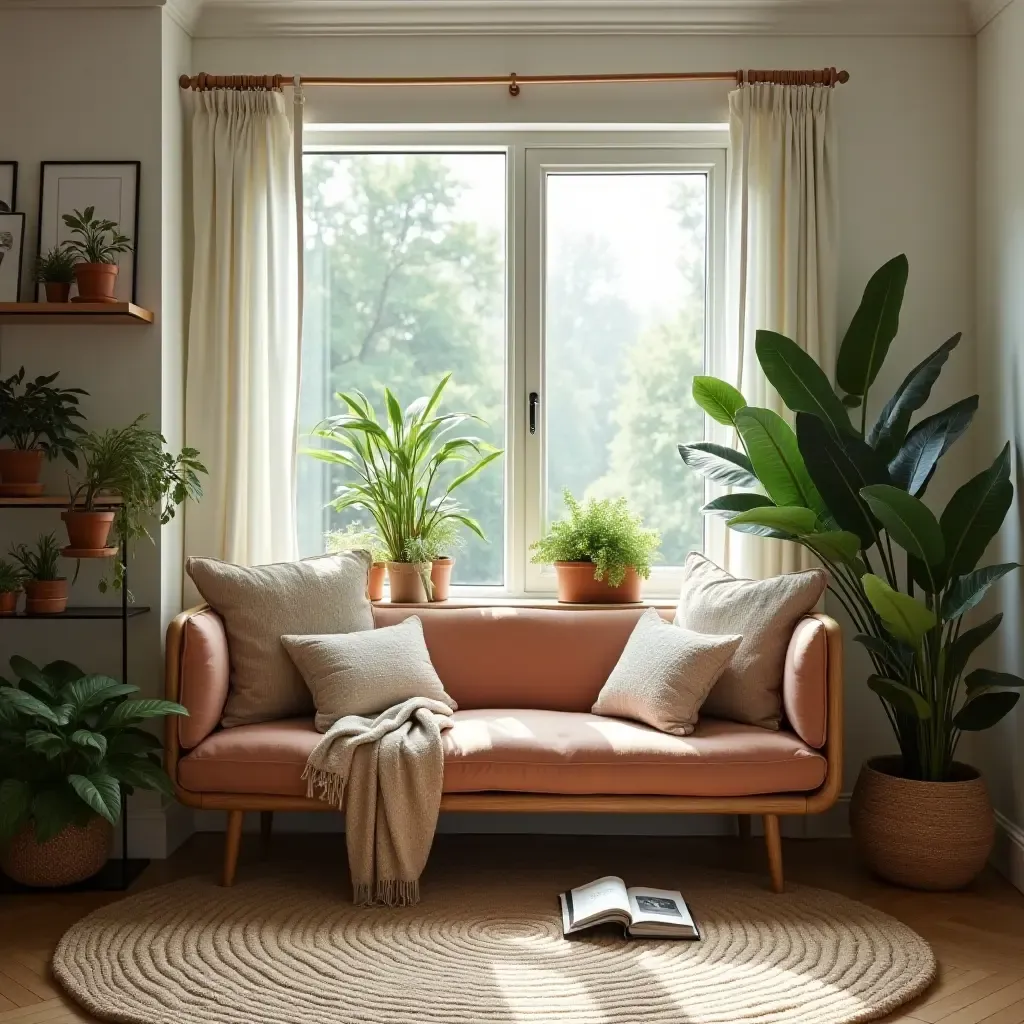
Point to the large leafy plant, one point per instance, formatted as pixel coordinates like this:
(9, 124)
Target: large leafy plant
(852, 493)
(70, 745)
(36, 415)
(94, 240)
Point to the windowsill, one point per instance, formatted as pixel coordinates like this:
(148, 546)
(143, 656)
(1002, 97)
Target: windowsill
(533, 602)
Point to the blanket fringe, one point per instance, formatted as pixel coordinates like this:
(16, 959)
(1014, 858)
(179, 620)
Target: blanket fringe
(392, 893)
(325, 785)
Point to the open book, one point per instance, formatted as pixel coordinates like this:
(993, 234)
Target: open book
(646, 913)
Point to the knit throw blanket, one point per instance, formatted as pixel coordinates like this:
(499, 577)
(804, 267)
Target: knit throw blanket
(386, 772)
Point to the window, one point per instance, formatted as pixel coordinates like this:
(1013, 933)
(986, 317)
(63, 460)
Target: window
(579, 268)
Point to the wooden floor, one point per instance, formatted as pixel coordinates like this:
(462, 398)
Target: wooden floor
(978, 935)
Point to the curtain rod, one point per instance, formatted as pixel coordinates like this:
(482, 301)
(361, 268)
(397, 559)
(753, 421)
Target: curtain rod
(822, 76)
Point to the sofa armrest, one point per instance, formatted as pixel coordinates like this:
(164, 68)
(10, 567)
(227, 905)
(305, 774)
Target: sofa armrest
(805, 694)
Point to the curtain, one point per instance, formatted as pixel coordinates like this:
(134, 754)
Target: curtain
(242, 368)
(782, 261)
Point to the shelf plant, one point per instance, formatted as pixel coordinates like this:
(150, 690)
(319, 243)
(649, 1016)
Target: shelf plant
(11, 585)
(600, 550)
(55, 271)
(71, 744)
(355, 537)
(95, 245)
(46, 590)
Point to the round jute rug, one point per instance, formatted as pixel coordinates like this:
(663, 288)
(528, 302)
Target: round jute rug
(486, 948)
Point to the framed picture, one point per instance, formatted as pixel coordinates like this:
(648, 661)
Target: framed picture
(111, 188)
(12, 247)
(8, 185)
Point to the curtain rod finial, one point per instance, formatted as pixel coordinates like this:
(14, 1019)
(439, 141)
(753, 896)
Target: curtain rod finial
(843, 77)
(184, 82)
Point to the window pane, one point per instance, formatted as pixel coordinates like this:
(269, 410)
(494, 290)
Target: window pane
(624, 336)
(404, 282)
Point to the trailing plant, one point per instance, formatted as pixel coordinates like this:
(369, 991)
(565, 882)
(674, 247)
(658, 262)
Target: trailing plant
(70, 745)
(11, 578)
(851, 493)
(37, 415)
(41, 562)
(355, 537)
(604, 532)
(443, 539)
(93, 244)
(56, 266)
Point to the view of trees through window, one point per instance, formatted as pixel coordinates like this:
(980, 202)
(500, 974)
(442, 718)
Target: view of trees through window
(405, 280)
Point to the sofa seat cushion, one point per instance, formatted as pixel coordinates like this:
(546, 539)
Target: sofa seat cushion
(528, 751)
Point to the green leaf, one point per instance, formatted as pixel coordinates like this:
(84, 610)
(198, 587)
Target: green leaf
(835, 545)
(784, 519)
(132, 741)
(719, 464)
(852, 401)
(728, 505)
(141, 774)
(776, 459)
(984, 710)
(960, 650)
(15, 795)
(49, 744)
(986, 678)
(24, 669)
(905, 617)
(913, 465)
(62, 672)
(101, 792)
(92, 691)
(720, 400)
(90, 740)
(907, 520)
(131, 711)
(883, 650)
(800, 382)
(902, 697)
(873, 327)
(967, 591)
(25, 704)
(53, 809)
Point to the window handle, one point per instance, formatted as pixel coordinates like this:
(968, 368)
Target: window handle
(534, 404)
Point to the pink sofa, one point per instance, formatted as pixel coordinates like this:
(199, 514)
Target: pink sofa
(523, 738)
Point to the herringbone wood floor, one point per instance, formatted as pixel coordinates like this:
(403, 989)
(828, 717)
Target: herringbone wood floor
(978, 935)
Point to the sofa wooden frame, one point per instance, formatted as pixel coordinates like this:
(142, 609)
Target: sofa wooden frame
(769, 806)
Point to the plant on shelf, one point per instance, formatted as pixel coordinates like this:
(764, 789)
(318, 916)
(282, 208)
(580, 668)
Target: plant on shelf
(55, 271)
(128, 464)
(11, 585)
(852, 493)
(40, 422)
(404, 471)
(95, 245)
(440, 543)
(600, 551)
(355, 537)
(46, 590)
(70, 745)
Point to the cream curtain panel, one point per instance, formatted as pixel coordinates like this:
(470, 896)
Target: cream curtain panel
(782, 260)
(242, 371)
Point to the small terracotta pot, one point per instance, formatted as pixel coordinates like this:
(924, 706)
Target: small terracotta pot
(576, 585)
(406, 579)
(46, 597)
(441, 578)
(96, 282)
(9, 602)
(73, 855)
(57, 291)
(375, 583)
(87, 530)
(924, 835)
(20, 470)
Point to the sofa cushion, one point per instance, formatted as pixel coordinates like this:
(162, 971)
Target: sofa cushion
(205, 672)
(805, 682)
(528, 751)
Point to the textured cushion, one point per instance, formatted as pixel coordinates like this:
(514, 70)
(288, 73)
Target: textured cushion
(664, 674)
(526, 751)
(365, 673)
(805, 682)
(205, 674)
(764, 613)
(259, 604)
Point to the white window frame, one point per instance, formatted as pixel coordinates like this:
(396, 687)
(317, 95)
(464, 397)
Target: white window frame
(530, 152)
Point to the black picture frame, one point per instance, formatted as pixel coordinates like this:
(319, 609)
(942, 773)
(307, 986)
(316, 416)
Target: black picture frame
(9, 195)
(45, 172)
(15, 223)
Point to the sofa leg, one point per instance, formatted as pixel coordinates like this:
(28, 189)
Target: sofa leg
(773, 841)
(743, 826)
(232, 842)
(266, 828)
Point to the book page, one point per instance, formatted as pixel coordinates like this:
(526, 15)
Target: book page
(664, 908)
(602, 897)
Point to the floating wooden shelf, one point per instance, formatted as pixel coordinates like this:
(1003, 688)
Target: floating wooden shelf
(104, 612)
(73, 313)
(56, 501)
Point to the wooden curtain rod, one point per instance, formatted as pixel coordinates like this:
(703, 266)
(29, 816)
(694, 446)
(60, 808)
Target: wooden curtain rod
(822, 76)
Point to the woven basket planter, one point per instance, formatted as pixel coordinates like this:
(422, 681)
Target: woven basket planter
(71, 856)
(924, 835)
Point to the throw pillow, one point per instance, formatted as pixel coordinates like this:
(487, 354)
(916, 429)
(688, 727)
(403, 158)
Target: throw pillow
(366, 673)
(764, 613)
(260, 603)
(664, 674)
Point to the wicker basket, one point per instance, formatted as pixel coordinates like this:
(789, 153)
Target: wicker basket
(924, 835)
(70, 856)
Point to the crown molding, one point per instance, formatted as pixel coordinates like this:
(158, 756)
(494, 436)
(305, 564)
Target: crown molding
(984, 11)
(184, 12)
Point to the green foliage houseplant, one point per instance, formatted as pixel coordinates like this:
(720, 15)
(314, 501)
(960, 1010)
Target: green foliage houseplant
(355, 537)
(70, 745)
(95, 244)
(11, 585)
(46, 590)
(600, 551)
(55, 271)
(851, 492)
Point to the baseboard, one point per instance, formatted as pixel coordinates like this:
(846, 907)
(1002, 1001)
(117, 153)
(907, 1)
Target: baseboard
(1008, 855)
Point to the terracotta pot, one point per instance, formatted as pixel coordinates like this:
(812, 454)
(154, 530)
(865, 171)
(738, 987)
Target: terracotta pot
(576, 585)
(441, 578)
(924, 835)
(20, 471)
(375, 583)
(87, 530)
(72, 855)
(9, 602)
(406, 579)
(45, 597)
(57, 291)
(96, 282)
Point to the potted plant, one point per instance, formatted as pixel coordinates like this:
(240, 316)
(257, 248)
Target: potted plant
(852, 492)
(127, 463)
(72, 744)
(46, 591)
(600, 552)
(41, 422)
(357, 538)
(11, 581)
(55, 271)
(396, 471)
(95, 249)
(444, 538)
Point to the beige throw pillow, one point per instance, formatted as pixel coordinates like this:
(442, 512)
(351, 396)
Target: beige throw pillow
(366, 673)
(261, 603)
(664, 674)
(764, 613)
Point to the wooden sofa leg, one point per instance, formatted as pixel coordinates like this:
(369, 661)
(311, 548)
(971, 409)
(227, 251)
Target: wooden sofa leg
(773, 841)
(232, 842)
(743, 826)
(266, 828)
